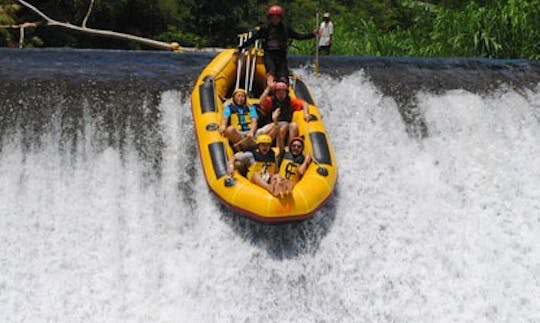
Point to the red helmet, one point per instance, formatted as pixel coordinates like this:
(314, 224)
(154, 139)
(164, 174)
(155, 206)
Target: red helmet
(275, 11)
(280, 86)
(300, 139)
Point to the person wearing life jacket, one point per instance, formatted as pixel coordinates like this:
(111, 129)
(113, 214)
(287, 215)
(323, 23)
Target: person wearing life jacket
(239, 121)
(261, 163)
(293, 166)
(275, 36)
(283, 105)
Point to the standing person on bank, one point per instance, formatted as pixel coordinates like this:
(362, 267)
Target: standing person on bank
(275, 36)
(326, 31)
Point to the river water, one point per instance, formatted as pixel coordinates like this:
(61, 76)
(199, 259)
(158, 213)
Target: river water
(105, 215)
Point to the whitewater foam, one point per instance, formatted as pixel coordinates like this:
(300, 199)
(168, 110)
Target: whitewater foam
(436, 229)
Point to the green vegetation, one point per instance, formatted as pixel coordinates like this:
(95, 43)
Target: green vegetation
(7, 18)
(495, 29)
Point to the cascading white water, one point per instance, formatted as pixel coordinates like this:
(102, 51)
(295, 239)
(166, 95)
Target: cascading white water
(440, 229)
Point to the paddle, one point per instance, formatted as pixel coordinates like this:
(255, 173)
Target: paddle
(317, 45)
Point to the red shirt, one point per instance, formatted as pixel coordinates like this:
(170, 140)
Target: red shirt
(296, 104)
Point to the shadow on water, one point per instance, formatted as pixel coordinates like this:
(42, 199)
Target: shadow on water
(285, 240)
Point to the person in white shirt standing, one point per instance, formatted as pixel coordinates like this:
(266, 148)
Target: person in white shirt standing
(325, 33)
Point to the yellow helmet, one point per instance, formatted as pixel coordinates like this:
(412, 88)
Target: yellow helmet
(264, 139)
(239, 90)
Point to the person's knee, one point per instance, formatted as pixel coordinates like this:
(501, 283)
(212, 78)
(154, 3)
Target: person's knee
(293, 126)
(229, 131)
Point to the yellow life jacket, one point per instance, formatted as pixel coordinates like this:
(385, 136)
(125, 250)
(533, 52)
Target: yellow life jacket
(240, 117)
(265, 165)
(289, 167)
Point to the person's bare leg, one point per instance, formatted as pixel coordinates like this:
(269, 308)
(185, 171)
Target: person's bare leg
(281, 137)
(293, 130)
(233, 134)
(272, 131)
(274, 183)
(257, 179)
(287, 186)
(270, 80)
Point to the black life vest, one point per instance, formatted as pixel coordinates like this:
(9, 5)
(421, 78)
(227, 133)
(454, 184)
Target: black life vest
(276, 37)
(264, 164)
(285, 106)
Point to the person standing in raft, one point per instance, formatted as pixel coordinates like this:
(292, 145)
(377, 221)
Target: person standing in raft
(281, 103)
(261, 163)
(275, 36)
(294, 165)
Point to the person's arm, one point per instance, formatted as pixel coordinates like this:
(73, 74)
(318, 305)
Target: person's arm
(302, 168)
(242, 157)
(275, 116)
(230, 165)
(263, 101)
(264, 95)
(295, 35)
(305, 107)
(298, 104)
(254, 121)
(225, 119)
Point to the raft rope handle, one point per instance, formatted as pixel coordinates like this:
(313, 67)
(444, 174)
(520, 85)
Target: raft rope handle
(241, 38)
(253, 66)
(251, 62)
(248, 64)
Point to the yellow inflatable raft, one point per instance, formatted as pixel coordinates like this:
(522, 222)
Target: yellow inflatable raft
(216, 84)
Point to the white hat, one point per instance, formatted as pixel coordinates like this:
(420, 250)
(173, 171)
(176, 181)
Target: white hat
(326, 15)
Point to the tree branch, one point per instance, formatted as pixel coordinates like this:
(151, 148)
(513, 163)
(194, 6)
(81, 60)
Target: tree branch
(23, 25)
(21, 37)
(88, 13)
(108, 33)
(21, 28)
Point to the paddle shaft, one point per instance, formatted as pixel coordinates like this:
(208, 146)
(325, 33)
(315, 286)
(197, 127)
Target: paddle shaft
(317, 45)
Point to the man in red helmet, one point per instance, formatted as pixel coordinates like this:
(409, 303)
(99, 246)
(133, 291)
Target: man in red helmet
(293, 166)
(275, 36)
(281, 106)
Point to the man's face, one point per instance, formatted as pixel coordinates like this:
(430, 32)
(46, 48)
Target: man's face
(240, 98)
(296, 148)
(275, 19)
(264, 148)
(281, 94)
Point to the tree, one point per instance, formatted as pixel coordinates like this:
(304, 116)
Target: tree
(7, 21)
